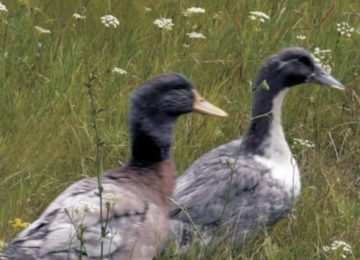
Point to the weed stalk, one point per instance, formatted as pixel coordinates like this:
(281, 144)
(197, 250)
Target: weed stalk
(98, 156)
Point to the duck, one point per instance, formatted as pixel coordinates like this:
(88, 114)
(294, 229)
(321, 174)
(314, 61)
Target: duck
(239, 188)
(135, 197)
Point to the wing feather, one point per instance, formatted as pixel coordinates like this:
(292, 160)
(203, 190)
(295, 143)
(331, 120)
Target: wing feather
(76, 213)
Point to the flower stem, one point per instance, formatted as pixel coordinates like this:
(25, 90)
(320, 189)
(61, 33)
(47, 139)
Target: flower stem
(98, 157)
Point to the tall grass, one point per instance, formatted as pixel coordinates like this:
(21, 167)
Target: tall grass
(46, 135)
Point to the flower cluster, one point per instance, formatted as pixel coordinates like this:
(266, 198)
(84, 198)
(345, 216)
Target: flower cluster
(3, 8)
(323, 58)
(82, 207)
(338, 244)
(111, 198)
(345, 29)
(303, 142)
(300, 37)
(196, 35)
(110, 21)
(119, 71)
(19, 223)
(164, 23)
(78, 17)
(193, 10)
(259, 16)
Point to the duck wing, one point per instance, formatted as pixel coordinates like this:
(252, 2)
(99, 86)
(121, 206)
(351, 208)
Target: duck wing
(215, 189)
(71, 225)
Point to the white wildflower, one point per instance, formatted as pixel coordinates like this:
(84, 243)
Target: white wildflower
(347, 248)
(338, 244)
(3, 8)
(110, 21)
(111, 198)
(300, 37)
(193, 10)
(196, 35)
(317, 50)
(82, 207)
(77, 16)
(345, 29)
(119, 71)
(323, 58)
(303, 142)
(327, 68)
(147, 9)
(164, 23)
(260, 14)
(252, 17)
(326, 248)
(257, 15)
(42, 30)
(185, 45)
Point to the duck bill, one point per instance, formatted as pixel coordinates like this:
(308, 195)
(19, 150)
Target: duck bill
(323, 78)
(204, 107)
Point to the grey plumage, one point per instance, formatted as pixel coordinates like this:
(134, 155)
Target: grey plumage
(225, 193)
(237, 189)
(132, 217)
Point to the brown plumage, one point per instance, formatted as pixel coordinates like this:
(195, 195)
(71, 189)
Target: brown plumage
(135, 197)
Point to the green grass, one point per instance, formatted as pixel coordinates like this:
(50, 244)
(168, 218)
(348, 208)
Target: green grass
(46, 138)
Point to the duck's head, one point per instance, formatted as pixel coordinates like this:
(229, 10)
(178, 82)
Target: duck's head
(291, 67)
(169, 96)
(155, 107)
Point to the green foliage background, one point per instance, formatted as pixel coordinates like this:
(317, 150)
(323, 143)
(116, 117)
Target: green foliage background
(46, 137)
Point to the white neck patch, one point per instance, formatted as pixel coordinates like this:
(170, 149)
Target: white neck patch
(277, 155)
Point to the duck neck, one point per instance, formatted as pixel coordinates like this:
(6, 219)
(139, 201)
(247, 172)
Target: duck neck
(266, 132)
(151, 141)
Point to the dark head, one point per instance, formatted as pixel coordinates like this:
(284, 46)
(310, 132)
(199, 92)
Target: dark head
(291, 67)
(288, 68)
(155, 107)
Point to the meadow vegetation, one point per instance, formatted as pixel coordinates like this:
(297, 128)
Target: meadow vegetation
(46, 133)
